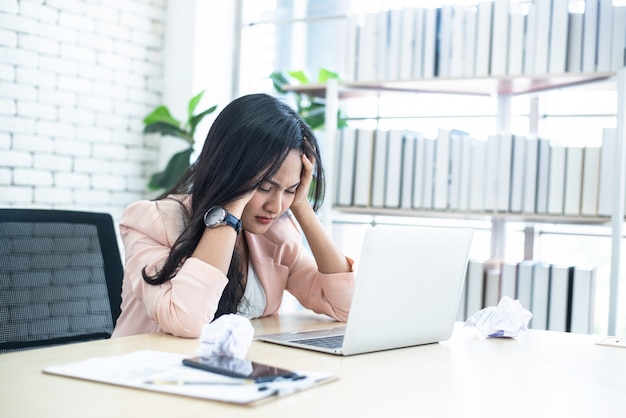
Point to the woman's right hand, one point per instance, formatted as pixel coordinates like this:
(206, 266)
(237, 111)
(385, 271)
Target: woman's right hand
(237, 206)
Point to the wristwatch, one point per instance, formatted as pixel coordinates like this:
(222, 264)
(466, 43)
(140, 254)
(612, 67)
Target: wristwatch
(217, 216)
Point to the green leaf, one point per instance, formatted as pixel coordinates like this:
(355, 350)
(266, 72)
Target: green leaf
(176, 167)
(168, 129)
(342, 121)
(194, 121)
(325, 75)
(312, 109)
(279, 80)
(300, 76)
(161, 114)
(315, 117)
(193, 103)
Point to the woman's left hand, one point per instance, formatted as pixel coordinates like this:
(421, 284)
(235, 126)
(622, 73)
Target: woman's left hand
(302, 192)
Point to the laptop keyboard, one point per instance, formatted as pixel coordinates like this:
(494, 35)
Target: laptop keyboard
(332, 341)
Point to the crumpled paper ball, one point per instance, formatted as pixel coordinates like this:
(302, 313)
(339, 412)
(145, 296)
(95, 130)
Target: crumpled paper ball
(508, 319)
(229, 335)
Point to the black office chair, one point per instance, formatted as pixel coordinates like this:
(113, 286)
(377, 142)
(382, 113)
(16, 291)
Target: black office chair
(60, 277)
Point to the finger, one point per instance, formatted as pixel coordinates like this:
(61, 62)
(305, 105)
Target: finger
(307, 161)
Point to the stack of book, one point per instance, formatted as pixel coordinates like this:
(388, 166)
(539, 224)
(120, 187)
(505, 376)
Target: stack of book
(493, 38)
(401, 169)
(560, 297)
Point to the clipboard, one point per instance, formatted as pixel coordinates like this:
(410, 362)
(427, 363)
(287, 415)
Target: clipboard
(164, 372)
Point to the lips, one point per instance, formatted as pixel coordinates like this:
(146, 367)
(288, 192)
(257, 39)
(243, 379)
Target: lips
(263, 220)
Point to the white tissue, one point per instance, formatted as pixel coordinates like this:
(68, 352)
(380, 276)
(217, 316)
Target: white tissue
(508, 319)
(229, 335)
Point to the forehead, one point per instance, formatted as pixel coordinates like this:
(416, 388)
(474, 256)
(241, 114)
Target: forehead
(289, 172)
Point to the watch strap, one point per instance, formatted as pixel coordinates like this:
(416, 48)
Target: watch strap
(233, 221)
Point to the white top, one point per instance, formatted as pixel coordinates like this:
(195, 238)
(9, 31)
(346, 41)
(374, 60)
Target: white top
(253, 303)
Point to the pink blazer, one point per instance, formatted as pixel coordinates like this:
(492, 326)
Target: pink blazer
(184, 304)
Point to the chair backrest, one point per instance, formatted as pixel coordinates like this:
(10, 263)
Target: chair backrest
(60, 277)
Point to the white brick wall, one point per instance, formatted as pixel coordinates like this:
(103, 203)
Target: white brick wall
(76, 79)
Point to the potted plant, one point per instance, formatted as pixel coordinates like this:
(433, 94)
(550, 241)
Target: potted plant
(160, 120)
(312, 109)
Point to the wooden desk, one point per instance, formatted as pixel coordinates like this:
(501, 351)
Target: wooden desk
(540, 374)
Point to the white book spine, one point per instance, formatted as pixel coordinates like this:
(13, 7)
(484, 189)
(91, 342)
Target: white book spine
(408, 170)
(583, 300)
(418, 43)
(530, 175)
(454, 183)
(337, 164)
(560, 277)
(517, 23)
(407, 43)
(518, 162)
(366, 68)
(492, 286)
(591, 177)
(418, 179)
(445, 41)
(465, 170)
(590, 36)
(540, 296)
(346, 167)
(382, 44)
(483, 39)
(393, 181)
(618, 41)
(457, 42)
(491, 173)
(605, 35)
(442, 153)
(573, 181)
(477, 175)
(556, 182)
(525, 283)
(500, 38)
(475, 287)
(363, 168)
(429, 172)
(543, 176)
(469, 47)
(380, 168)
(394, 44)
(503, 179)
(575, 43)
(607, 171)
(352, 48)
(542, 39)
(558, 37)
(430, 42)
(508, 280)
(530, 37)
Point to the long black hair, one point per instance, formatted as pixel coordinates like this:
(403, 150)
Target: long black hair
(246, 145)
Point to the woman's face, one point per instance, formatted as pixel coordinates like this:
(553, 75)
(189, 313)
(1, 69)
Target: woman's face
(273, 197)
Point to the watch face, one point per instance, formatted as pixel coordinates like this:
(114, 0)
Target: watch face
(215, 216)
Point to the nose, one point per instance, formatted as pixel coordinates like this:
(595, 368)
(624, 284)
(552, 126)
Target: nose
(274, 203)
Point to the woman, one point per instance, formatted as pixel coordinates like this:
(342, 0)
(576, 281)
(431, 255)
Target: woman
(187, 262)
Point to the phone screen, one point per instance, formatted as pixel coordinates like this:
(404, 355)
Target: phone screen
(235, 367)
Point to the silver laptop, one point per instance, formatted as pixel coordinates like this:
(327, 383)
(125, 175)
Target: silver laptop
(408, 287)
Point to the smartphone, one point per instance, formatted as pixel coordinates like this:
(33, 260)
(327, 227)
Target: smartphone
(242, 368)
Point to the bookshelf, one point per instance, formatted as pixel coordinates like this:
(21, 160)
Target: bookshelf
(548, 46)
(504, 88)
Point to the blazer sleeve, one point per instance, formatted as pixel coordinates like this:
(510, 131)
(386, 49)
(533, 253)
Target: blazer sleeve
(330, 294)
(182, 305)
